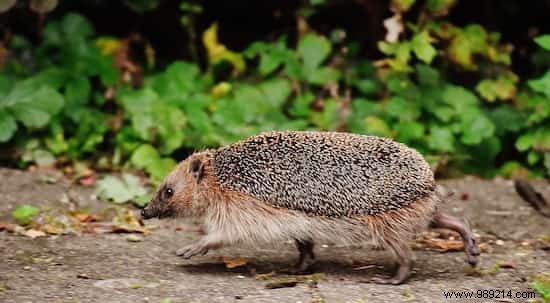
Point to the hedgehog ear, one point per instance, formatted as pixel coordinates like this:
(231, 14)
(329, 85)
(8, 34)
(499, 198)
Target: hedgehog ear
(196, 169)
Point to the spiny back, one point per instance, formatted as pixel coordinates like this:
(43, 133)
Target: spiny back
(325, 173)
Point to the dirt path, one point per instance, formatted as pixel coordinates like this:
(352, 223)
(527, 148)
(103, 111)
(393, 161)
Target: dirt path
(108, 268)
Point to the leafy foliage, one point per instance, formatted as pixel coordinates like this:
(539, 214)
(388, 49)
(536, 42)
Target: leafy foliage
(450, 91)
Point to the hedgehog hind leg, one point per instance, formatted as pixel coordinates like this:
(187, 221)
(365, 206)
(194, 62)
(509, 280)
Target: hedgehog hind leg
(403, 254)
(306, 258)
(443, 220)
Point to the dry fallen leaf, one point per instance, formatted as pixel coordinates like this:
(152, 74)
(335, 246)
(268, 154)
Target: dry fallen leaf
(443, 245)
(394, 27)
(231, 263)
(87, 217)
(33, 233)
(7, 227)
(507, 264)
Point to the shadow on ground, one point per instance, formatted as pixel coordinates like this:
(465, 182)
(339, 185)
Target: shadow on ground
(108, 268)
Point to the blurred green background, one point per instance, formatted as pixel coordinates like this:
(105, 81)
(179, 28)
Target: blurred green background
(137, 85)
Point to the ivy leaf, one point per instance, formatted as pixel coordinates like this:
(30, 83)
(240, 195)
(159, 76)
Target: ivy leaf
(313, 49)
(422, 47)
(543, 41)
(119, 190)
(24, 214)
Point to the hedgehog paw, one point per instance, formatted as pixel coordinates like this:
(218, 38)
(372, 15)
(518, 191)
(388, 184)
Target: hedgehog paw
(192, 250)
(387, 280)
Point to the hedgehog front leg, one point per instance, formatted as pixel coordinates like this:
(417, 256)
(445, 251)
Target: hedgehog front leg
(443, 220)
(403, 253)
(200, 247)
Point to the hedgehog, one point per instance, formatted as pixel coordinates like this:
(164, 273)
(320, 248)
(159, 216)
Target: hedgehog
(309, 187)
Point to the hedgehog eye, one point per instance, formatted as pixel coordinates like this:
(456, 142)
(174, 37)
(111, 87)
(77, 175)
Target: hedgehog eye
(168, 193)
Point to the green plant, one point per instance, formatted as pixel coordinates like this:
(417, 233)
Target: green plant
(449, 91)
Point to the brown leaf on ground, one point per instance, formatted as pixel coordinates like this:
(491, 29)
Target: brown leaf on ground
(7, 227)
(507, 264)
(231, 263)
(85, 218)
(33, 233)
(443, 245)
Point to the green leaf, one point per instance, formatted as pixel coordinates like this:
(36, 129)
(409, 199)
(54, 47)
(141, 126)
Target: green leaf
(75, 27)
(401, 5)
(543, 41)
(467, 43)
(533, 157)
(323, 75)
(32, 105)
(7, 126)
(439, 7)
(524, 142)
(268, 63)
(144, 155)
(24, 214)
(408, 131)
(402, 109)
(276, 91)
(313, 49)
(507, 119)
(441, 139)
(301, 105)
(427, 75)
(377, 126)
(119, 190)
(160, 169)
(475, 127)
(459, 97)
(543, 288)
(541, 85)
(328, 118)
(147, 157)
(501, 88)
(422, 47)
